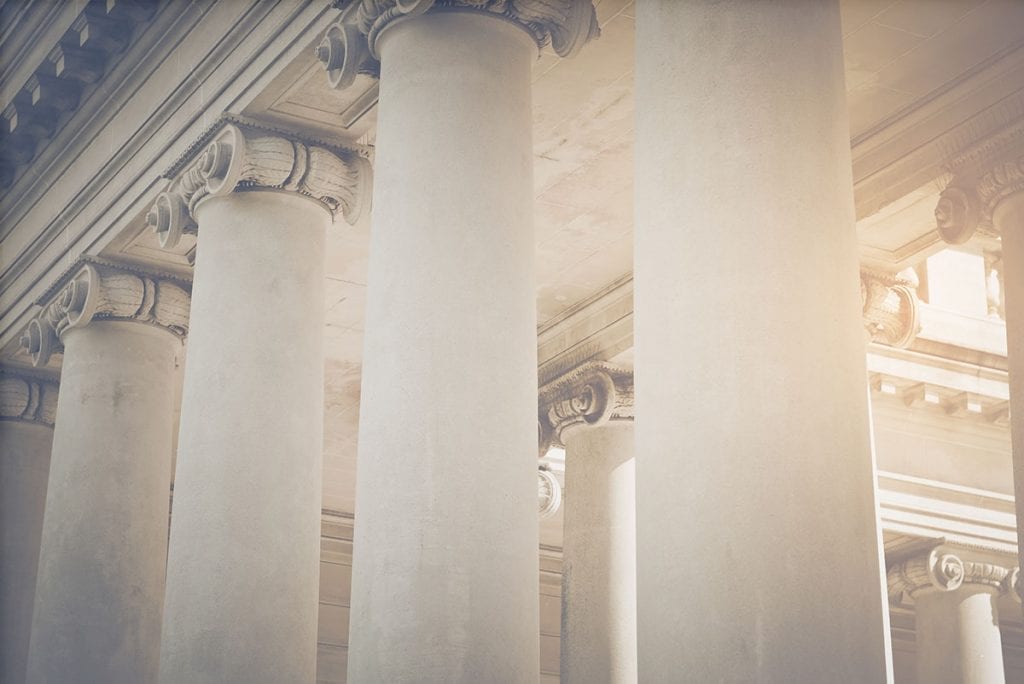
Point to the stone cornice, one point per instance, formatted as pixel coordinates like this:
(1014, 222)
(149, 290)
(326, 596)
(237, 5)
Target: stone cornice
(235, 155)
(890, 306)
(589, 395)
(27, 397)
(350, 48)
(944, 568)
(97, 289)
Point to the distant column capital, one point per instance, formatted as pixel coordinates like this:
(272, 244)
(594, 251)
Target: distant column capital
(549, 491)
(589, 395)
(27, 397)
(890, 306)
(350, 47)
(983, 175)
(236, 156)
(944, 569)
(98, 289)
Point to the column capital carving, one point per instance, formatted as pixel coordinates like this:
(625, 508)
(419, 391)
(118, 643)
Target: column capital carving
(944, 569)
(550, 493)
(982, 175)
(589, 395)
(890, 306)
(96, 289)
(350, 48)
(236, 155)
(27, 397)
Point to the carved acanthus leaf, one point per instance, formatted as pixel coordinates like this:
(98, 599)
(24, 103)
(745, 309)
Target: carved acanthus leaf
(350, 46)
(890, 306)
(98, 289)
(240, 157)
(589, 395)
(27, 397)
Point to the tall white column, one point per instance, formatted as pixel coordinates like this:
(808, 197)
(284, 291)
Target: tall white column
(754, 461)
(100, 583)
(445, 565)
(28, 404)
(590, 411)
(243, 569)
(957, 633)
(986, 195)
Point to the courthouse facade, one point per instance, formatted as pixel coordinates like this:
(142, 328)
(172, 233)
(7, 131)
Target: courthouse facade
(511, 340)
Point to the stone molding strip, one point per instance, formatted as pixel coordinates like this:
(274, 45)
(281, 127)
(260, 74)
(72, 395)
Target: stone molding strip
(97, 289)
(235, 155)
(350, 48)
(27, 397)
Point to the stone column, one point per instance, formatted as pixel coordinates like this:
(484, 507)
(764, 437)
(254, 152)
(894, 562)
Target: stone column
(445, 566)
(957, 623)
(986, 198)
(754, 459)
(590, 412)
(28, 404)
(243, 567)
(104, 542)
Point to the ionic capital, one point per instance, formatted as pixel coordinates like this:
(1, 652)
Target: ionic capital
(983, 175)
(549, 493)
(236, 156)
(100, 290)
(350, 47)
(27, 397)
(589, 395)
(890, 306)
(944, 569)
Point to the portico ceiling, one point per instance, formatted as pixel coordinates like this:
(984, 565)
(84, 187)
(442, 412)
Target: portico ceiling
(919, 74)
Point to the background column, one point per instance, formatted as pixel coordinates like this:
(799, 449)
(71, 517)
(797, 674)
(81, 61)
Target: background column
(28, 404)
(754, 461)
(243, 570)
(957, 633)
(100, 583)
(445, 564)
(591, 411)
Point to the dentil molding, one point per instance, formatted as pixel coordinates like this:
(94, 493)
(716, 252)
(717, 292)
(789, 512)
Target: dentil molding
(349, 47)
(27, 397)
(943, 568)
(238, 156)
(96, 289)
(589, 395)
(890, 306)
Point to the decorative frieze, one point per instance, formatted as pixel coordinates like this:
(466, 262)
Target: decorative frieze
(100, 290)
(589, 395)
(27, 397)
(350, 47)
(943, 569)
(890, 306)
(238, 156)
(549, 492)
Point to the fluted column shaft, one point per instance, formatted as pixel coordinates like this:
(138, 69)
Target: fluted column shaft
(243, 571)
(599, 556)
(750, 470)
(445, 564)
(27, 407)
(101, 564)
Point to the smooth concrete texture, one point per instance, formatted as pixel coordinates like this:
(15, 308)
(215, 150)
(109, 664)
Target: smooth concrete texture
(100, 585)
(445, 564)
(957, 636)
(24, 466)
(755, 502)
(243, 569)
(599, 556)
(1008, 219)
